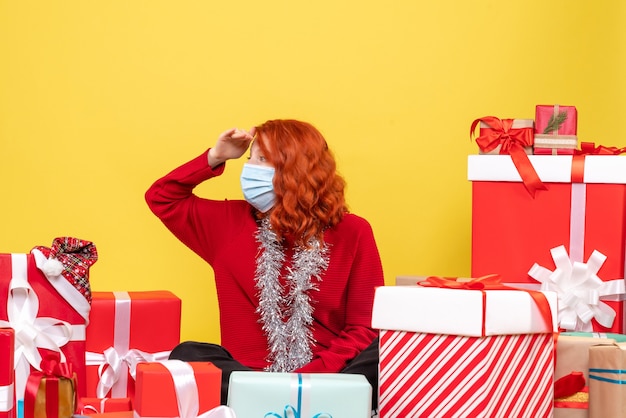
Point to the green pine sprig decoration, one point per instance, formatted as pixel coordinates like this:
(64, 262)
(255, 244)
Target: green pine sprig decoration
(555, 122)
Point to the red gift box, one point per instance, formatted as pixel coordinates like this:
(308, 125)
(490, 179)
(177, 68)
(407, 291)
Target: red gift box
(461, 352)
(90, 406)
(51, 308)
(126, 328)
(584, 210)
(7, 375)
(162, 387)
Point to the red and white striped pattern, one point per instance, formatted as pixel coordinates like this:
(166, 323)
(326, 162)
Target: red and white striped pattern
(434, 375)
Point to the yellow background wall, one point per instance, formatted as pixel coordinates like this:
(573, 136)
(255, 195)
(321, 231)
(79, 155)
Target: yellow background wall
(99, 98)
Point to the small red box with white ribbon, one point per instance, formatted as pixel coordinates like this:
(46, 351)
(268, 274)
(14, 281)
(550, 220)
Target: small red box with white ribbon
(128, 328)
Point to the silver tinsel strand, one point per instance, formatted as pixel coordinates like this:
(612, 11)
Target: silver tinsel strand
(287, 314)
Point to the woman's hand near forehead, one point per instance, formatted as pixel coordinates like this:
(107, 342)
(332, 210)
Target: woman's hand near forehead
(231, 144)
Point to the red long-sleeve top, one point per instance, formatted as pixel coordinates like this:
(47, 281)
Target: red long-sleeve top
(222, 232)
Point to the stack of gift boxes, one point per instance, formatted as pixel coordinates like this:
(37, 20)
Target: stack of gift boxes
(65, 350)
(548, 218)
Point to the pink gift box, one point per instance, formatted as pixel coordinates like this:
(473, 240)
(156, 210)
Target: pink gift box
(466, 352)
(132, 327)
(549, 116)
(7, 375)
(555, 130)
(55, 311)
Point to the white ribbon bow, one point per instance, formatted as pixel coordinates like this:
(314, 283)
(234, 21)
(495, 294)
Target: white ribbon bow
(187, 396)
(579, 290)
(114, 367)
(31, 332)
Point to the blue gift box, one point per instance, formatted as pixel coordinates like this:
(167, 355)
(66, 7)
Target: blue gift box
(299, 395)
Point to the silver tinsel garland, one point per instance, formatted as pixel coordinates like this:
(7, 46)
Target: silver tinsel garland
(287, 314)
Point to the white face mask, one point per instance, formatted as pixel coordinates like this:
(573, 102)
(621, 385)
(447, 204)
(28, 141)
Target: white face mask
(258, 187)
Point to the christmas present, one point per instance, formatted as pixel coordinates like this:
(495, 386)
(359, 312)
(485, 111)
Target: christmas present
(496, 136)
(555, 121)
(7, 375)
(513, 137)
(572, 356)
(555, 130)
(51, 392)
(570, 238)
(47, 298)
(572, 352)
(607, 385)
(127, 328)
(174, 388)
(254, 394)
(91, 406)
(474, 348)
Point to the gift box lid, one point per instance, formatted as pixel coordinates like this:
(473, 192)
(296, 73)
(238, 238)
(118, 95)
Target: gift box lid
(550, 168)
(434, 310)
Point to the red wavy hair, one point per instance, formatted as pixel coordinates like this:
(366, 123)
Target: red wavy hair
(309, 191)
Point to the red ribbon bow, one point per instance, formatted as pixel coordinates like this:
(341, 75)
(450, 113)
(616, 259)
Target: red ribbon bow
(492, 282)
(51, 366)
(589, 148)
(52, 369)
(512, 142)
